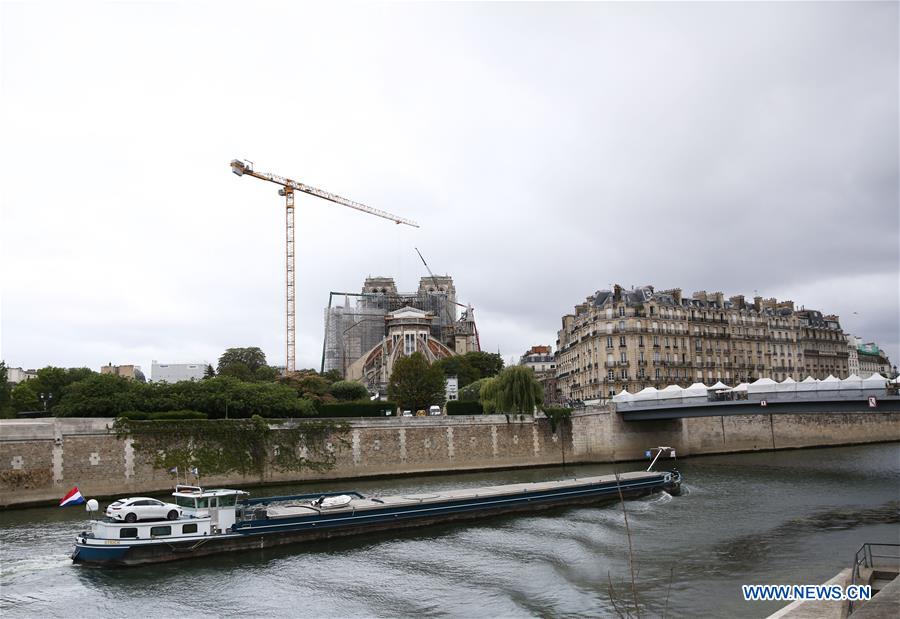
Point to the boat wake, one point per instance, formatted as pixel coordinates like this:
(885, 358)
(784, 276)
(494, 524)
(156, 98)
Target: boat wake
(11, 569)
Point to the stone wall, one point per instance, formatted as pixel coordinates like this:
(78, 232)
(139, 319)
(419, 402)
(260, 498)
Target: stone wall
(41, 459)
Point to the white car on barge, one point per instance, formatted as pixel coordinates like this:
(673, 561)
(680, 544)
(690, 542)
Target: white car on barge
(221, 520)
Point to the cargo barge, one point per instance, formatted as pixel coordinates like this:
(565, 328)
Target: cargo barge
(213, 521)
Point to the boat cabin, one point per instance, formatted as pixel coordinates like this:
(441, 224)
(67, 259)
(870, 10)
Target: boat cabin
(219, 505)
(160, 529)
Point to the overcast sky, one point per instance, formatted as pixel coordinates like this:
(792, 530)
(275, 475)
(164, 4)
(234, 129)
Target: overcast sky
(547, 150)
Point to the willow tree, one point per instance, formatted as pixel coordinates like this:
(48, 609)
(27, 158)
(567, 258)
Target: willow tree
(514, 390)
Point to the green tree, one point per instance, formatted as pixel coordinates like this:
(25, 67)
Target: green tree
(514, 390)
(348, 390)
(414, 384)
(253, 357)
(266, 374)
(210, 372)
(5, 391)
(487, 364)
(236, 369)
(487, 395)
(99, 395)
(459, 367)
(24, 398)
(332, 376)
(308, 384)
(472, 391)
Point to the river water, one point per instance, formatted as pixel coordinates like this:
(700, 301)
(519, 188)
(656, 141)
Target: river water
(785, 517)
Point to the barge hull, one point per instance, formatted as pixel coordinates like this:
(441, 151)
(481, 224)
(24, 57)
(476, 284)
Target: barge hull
(250, 539)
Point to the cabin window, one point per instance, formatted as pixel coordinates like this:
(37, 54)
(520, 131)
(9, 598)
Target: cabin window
(128, 532)
(189, 528)
(202, 503)
(227, 501)
(183, 501)
(160, 531)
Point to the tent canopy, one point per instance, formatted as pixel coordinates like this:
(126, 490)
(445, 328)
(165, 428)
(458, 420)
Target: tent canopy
(623, 396)
(647, 393)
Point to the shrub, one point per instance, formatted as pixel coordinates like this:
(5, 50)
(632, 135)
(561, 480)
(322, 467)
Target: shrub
(134, 415)
(455, 407)
(348, 391)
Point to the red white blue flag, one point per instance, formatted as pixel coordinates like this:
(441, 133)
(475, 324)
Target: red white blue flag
(72, 498)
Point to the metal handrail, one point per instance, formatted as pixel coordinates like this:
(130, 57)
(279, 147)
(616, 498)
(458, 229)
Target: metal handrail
(865, 557)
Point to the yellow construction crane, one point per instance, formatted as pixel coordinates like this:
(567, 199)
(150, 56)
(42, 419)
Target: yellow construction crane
(288, 187)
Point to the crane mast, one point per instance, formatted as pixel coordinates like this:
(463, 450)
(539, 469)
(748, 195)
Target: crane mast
(288, 187)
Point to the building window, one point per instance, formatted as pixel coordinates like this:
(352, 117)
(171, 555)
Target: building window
(640, 340)
(409, 343)
(622, 357)
(621, 311)
(609, 343)
(658, 373)
(610, 375)
(621, 340)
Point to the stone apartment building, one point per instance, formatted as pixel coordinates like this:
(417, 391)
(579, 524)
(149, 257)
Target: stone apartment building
(873, 360)
(630, 339)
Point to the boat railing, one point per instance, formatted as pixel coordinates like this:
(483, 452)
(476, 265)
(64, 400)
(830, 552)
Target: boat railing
(873, 556)
(296, 497)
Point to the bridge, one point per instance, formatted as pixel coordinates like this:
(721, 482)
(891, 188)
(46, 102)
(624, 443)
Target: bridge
(774, 405)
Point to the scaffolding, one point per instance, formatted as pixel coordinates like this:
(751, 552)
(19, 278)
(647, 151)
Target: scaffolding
(355, 327)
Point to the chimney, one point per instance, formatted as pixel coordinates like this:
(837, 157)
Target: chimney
(738, 301)
(617, 293)
(757, 303)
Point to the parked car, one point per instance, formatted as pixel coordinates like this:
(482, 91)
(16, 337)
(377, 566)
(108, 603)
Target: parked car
(434, 410)
(407, 413)
(142, 508)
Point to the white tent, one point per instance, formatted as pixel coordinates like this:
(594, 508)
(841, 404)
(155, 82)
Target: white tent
(875, 381)
(788, 385)
(851, 382)
(646, 394)
(670, 392)
(696, 390)
(719, 386)
(829, 384)
(742, 387)
(763, 385)
(807, 384)
(623, 396)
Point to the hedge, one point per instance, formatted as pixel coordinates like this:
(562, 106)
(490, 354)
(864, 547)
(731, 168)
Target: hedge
(177, 415)
(456, 407)
(356, 409)
(182, 414)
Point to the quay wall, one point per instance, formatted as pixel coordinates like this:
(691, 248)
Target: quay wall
(41, 459)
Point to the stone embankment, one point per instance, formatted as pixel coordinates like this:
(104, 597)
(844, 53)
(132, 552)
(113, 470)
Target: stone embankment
(41, 459)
